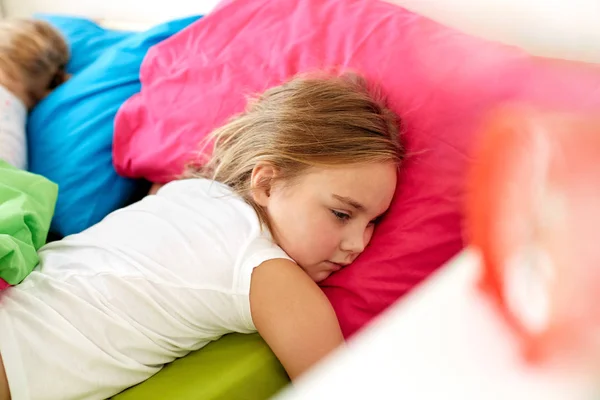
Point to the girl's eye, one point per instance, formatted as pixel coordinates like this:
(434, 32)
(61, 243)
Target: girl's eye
(340, 215)
(376, 221)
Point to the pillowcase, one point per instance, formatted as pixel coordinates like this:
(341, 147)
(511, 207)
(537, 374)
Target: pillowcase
(70, 132)
(440, 81)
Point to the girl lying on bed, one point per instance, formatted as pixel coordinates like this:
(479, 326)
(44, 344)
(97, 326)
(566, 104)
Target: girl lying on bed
(33, 56)
(293, 191)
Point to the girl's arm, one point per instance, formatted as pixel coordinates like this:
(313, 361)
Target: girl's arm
(293, 315)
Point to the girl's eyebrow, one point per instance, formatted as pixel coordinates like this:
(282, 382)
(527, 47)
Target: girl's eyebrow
(349, 201)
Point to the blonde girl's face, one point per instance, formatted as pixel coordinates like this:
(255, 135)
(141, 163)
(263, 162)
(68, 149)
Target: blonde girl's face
(325, 218)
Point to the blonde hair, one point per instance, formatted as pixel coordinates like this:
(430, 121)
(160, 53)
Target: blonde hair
(33, 56)
(310, 121)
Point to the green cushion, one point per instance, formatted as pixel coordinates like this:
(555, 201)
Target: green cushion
(234, 367)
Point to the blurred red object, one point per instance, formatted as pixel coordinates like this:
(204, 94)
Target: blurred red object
(533, 211)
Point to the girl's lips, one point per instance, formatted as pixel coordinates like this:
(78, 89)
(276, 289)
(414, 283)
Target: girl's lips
(335, 266)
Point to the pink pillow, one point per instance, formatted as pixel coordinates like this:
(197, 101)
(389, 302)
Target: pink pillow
(440, 81)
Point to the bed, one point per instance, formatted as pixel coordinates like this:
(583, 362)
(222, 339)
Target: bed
(242, 366)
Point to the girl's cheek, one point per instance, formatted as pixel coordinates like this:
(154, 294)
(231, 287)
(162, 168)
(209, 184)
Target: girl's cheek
(334, 235)
(369, 234)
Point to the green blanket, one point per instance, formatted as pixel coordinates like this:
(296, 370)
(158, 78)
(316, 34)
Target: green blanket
(26, 207)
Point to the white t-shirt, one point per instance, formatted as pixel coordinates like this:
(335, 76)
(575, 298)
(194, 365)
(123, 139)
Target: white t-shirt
(13, 142)
(106, 308)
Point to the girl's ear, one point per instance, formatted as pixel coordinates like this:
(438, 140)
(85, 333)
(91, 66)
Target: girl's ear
(261, 182)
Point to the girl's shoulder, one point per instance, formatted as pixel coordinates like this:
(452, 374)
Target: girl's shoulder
(198, 186)
(210, 204)
(203, 195)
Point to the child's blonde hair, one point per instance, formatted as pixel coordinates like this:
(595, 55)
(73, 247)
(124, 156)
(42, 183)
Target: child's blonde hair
(33, 56)
(310, 121)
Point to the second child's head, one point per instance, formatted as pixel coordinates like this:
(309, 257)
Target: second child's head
(317, 158)
(33, 56)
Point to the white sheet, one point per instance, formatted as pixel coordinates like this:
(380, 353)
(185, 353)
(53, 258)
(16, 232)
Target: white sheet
(443, 341)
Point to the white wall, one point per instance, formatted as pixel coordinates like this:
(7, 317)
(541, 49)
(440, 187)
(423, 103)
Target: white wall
(558, 28)
(142, 11)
